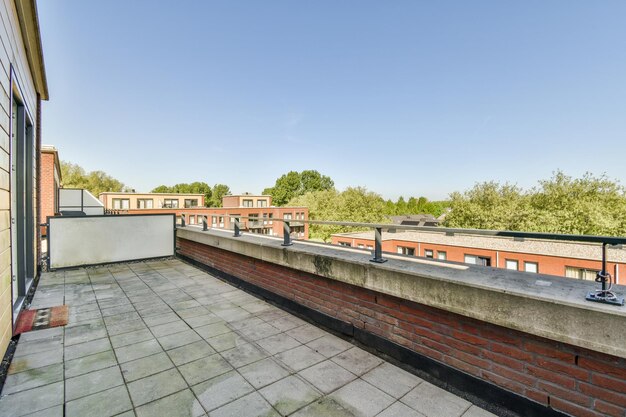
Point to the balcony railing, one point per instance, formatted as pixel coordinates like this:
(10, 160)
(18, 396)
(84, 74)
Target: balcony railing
(603, 277)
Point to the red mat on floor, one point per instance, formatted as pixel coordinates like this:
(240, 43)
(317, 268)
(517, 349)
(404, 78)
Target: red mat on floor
(40, 319)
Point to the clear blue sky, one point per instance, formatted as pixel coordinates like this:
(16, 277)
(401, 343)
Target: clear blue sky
(403, 97)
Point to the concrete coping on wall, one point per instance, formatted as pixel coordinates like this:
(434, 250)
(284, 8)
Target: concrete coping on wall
(540, 305)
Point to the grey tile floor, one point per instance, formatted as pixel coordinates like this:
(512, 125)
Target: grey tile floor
(163, 338)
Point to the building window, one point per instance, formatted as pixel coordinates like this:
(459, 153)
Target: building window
(144, 203)
(532, 267)
(213, 221)
(221, 221)
(192, 219)
(361, 246)
(121, 203)
(442, 255)
(247, 203)
(347, 244)
(261, 203)
(403, 250)
(170, 203)
(271, 216)
(581, 273)
(511, 264)
(287, 216)
(191, 202)
(370, 247)
(428, 253)
(477, 260)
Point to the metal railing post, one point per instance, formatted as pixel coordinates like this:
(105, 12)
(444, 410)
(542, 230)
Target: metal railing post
(182, 220)
(604, 294)
(237, 231)
(378, 246)
(286, 234)
(204, 223)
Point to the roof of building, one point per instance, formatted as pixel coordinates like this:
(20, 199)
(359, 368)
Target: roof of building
(577, 250)
(415, 220)
(129, 193)
(29, 26)
(53, 150)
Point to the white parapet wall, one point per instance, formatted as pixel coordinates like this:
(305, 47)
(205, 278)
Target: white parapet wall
(75, 199)
(92, 240)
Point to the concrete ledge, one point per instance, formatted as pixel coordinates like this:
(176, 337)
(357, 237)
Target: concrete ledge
(540, 305)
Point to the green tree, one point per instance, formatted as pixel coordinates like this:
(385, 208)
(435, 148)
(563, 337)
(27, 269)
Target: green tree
(96, 182)
(185, 188)
(294, 184)
(561, 204)
(219, 191)
(355, 204)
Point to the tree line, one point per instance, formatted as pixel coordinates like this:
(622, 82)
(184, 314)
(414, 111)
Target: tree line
(561, 204)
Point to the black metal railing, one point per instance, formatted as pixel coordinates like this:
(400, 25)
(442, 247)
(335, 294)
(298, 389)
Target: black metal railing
(603, 277)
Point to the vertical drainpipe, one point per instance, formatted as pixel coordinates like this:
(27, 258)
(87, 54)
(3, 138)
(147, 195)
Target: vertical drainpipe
(497, 259)
(419, 249)
(617, 273)
(37, 182)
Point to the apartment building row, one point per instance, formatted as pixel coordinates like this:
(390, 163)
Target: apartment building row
(566, 259)
(255, 212)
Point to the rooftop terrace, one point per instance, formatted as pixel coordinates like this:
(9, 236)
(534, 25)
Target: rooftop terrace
(163, 338)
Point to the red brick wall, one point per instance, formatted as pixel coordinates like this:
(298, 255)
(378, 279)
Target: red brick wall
(569, 379)
(551, 265)
(46, 187)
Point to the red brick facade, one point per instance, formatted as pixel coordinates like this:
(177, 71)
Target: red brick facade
(569, 379)
(48, 186)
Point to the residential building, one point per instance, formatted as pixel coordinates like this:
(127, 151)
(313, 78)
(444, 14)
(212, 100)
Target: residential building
(565, 259)
(415, 220)
(49, 183)
(24, 86)
(256, 213)
(140, 201)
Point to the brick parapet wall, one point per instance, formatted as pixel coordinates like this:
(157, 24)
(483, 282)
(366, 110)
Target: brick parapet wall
(566, 378)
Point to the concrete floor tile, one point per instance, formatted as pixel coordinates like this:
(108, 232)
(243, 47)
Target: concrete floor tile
(87, 348)
(84, 333)
(212, 330)
(289, 394)
(251, 405)
(202, 369)
(357, 360)
(33, 378)
(156, 386)
(89, 363)
(433, 401)
(138, 350)
(93, 382)
(243, 355)
(175, 340)
(42, 334)
(475, 411)
(306, 333)
(40, 345)
(329, 345)
(130, 338)
(221, 390)
(125, 327)
(36, 360)
(399, 409)
(102, 404)
(327, 376)
(149, 365)
(199, 321)
(260, 331)
(391, 379)
(300, 358)
(56, 411)
(161, 319)
(30, 401)
(181, 404)
(169, 328)
(287, 323)
(191, 352)
(278, 343)
(362, 399)
(326, 407)
(263, 372)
